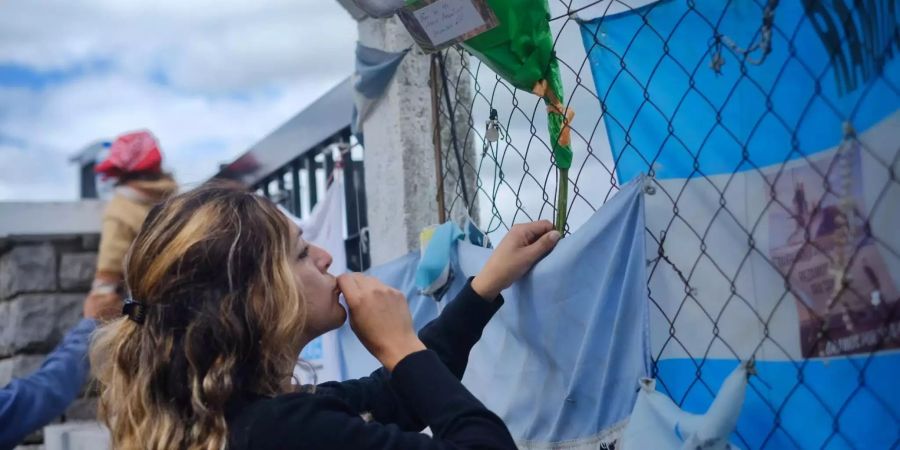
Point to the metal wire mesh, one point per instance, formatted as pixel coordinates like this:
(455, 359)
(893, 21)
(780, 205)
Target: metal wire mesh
(516, 182)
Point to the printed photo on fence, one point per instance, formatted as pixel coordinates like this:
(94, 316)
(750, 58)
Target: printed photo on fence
(819, 237)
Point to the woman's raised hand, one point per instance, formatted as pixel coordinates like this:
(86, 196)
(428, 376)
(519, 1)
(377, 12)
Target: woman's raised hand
(380, 317)
(517, 253)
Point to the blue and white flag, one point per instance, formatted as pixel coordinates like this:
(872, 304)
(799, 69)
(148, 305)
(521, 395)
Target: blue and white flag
(772, 133)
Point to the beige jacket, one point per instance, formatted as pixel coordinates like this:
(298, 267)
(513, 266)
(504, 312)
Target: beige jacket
(122, 219)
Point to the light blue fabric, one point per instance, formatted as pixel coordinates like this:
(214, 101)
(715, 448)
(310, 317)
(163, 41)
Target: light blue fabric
(658, 423)
(434, 268)
(29, 403)
(374, 71)
(561, 359)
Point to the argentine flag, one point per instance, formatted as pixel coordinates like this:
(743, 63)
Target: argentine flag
(771, 134)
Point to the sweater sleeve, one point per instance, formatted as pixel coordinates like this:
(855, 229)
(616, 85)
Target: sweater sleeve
(115, 239)
(421, 381)
(453, 334)
(29, 403)
(450, 336)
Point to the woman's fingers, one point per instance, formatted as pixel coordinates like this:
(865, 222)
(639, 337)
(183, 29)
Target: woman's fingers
(543, 245)
(533, 231)
(349, 284)
(522, 247)
(380, 317)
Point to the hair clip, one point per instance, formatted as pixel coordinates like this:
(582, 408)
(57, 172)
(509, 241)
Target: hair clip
(135, 310)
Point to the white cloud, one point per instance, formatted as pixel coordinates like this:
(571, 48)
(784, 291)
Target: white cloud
(196, 132)
(208, 78)
(203, 44)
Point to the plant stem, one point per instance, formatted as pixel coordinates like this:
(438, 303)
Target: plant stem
(562, 200)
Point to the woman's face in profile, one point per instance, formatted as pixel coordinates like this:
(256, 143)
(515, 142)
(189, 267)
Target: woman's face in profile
(319, 288)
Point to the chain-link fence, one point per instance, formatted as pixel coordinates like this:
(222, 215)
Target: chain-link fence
(831, 258)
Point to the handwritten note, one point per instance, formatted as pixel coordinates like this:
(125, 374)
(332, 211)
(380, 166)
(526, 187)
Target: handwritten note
(446, 20)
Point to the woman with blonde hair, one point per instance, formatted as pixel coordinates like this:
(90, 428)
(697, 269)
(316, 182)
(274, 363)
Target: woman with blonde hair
(225, 292)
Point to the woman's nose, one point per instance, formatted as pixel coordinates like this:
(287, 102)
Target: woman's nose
(323, 258)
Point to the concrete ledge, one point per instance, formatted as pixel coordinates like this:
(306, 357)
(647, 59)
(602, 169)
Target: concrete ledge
(50, 219)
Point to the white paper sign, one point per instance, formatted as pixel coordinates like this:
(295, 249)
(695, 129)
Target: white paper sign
(445, 20)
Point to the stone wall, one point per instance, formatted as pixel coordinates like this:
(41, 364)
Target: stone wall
(43, 283)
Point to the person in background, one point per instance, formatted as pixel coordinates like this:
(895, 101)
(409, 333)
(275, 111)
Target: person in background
(29, 403)
(225, 292)
(135, 163)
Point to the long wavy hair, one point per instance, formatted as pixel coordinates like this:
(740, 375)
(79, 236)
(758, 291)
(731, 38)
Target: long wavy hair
(224, 317)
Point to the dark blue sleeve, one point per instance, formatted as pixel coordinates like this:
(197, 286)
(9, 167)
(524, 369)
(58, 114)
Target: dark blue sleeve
(29, 403)
(450, 336)
(421, 382)
(453, 334)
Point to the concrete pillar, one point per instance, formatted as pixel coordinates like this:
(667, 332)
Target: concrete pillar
(401, 186)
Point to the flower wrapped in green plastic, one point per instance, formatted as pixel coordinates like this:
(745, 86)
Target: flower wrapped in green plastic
(520, 49)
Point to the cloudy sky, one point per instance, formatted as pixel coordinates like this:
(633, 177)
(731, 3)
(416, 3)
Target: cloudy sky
(208, 77)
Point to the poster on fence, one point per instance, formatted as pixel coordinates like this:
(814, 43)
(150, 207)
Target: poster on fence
(770, 130)
(821, 240)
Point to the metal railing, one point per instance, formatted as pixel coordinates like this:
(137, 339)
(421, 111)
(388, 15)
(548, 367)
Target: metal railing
(293, 165)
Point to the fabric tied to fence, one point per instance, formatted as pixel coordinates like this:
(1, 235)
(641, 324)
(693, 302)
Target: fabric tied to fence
(658, 423)
(561, 360)
(771, 132)
(374, 71)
